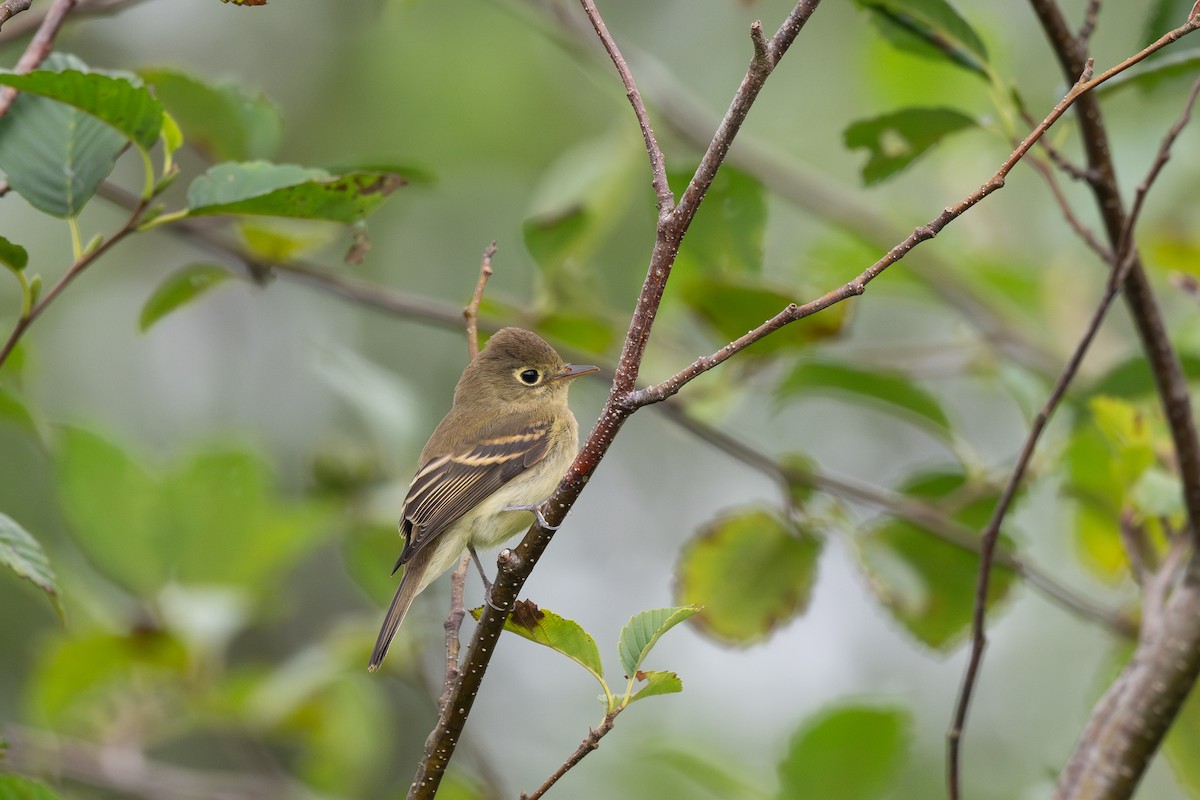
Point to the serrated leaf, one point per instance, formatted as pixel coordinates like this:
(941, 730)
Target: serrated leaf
(731, 306)
(929, 28)
(128, 107)
(926, 583)
(899, 138)
(657, 682)
(565, 636)
(287, 190)
(178, 289)
(892, 392)
(224, 121)
(13, 255)
(16, 787)
(727, 233)
(643, 630)
(22, 554)
(750, 572)
(854, 752)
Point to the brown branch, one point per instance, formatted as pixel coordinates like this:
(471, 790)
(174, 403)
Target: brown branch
(74, 271)
(31, 21)
(589, 743)
(658, 166)
(515, 565)
(1090, 16)
(1123, 263)
(458, 578)
(127, 771)
(793, 312)
(10, 8)
(924, 515)
(39, 47)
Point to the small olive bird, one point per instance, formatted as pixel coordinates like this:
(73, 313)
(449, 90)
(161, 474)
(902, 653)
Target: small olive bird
(500, 451)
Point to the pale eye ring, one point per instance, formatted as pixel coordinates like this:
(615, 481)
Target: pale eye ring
(529, 376)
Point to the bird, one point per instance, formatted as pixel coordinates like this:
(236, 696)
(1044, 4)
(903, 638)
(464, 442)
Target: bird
(498, 453)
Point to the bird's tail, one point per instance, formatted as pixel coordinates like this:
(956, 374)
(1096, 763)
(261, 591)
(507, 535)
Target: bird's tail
(410, 586)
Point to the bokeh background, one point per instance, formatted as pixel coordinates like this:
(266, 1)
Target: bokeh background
(323, 403)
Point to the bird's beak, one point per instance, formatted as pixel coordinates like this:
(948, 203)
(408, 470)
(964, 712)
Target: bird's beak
(574, 371)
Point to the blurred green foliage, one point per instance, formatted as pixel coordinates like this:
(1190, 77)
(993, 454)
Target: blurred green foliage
(220, 591)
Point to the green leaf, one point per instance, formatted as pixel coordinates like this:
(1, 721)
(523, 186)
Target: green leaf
(926, 583)
(892, 392)
(657, 682)
(727, 233)
(16, 787)
(80, 679)
(554, 238)
(118, 101)
(287, 190)
(643, 630)
(560, 634)
(215, 518)
(12, 255)
(1165, 15)
(55, 155)
(750, 571)
(731, 306)
(1182, 744)
(579, 331)
(179, 289)
(899, 138)
(1129, 435)
(224, 121)
(22, 554)
(853, 752)
(1131, 379)
(931, 29)
(1152, 73)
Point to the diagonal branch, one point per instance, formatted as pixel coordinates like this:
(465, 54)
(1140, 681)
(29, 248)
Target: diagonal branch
(514, 566)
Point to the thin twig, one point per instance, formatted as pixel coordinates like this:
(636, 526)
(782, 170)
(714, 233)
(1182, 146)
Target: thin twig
(1082, 231)
(658, 166)
(922, 514)
(794, 312)
(471, 312)
(458, 579)
(516, 564)
(1088, 26)
(75, 270)
(128, 772)
(31, 21)
(589, 743)
(1123, 264)
(39, 47)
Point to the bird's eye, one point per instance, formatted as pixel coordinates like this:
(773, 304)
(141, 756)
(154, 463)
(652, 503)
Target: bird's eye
(529, 376)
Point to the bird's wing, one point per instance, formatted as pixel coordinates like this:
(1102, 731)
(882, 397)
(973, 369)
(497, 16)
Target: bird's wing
(448, 486)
